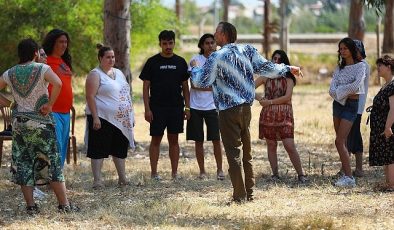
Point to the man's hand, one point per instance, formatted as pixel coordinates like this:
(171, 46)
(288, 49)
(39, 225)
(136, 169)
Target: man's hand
(296, 71)
(148, 116)
(186, 114)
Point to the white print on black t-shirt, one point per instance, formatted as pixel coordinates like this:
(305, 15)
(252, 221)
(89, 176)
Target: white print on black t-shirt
(168, 67)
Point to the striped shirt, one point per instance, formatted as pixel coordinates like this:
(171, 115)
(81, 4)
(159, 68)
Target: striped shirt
(347, 81)
(230, 73)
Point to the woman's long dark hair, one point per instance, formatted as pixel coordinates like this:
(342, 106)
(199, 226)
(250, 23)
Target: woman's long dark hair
(351, 45)
(285, 60)
(49, 43)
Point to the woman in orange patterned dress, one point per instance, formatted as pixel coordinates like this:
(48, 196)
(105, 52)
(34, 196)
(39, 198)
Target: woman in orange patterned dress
(276, 117)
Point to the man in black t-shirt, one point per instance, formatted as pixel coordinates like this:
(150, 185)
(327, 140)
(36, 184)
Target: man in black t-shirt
(166, 100)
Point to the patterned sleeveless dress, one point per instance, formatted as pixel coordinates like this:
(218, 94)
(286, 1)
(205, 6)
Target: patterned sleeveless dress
(35, 157)
(276, 121)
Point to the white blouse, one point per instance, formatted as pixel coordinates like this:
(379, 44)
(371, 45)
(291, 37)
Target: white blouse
(113, 102)
(347, 81)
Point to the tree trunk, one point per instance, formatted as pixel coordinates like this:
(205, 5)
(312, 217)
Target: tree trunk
(267, 29)
(117, 26)
(283, 35)
(388, 39)
(356, 20)
(226, 4)
(178, 9)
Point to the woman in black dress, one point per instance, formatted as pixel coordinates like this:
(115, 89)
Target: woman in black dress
(381, 148)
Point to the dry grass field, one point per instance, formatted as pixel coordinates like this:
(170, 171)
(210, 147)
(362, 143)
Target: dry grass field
(202, 204)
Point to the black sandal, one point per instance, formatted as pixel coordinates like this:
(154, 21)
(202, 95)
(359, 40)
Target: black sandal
(32, 210)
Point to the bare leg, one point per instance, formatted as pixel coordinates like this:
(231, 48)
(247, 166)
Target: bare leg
(121, 169)
(217, 152)
(272, 156)
(59, 188)
(199, 146)
(342, 129)
(359, 163)
(389, 172)
(154, 151)
(28, 194)
(97, 164)
(173, 152)
(290, 147)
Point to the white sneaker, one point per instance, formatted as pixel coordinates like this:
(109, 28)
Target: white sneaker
(38, 194)
(345, 181)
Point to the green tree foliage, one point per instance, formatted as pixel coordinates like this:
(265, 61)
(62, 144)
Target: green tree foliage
(34, 18)
(148, 18)
(83, 20)
(191, 12)
(247, 25)
(330, 20)
(303, 21)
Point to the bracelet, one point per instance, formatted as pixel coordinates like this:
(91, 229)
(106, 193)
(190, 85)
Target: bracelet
(270, 102)
(187, 109)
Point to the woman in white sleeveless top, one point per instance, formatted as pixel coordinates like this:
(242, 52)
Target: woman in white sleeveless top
(110, 116)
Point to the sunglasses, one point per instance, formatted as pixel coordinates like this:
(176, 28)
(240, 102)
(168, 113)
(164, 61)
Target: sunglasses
(42, 53)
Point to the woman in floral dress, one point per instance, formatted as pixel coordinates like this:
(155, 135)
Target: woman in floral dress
(381, 147)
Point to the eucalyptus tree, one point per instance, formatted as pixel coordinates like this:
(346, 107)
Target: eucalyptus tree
(356, 27)
(117, 26)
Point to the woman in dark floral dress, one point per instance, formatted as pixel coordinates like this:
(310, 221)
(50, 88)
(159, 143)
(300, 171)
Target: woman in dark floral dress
(381, 148)
(35, 158)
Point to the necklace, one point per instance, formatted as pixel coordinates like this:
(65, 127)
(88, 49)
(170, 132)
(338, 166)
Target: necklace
(110, 73)
(387, 83)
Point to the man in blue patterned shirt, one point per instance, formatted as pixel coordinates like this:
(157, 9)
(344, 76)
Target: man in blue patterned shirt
(230, 73)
